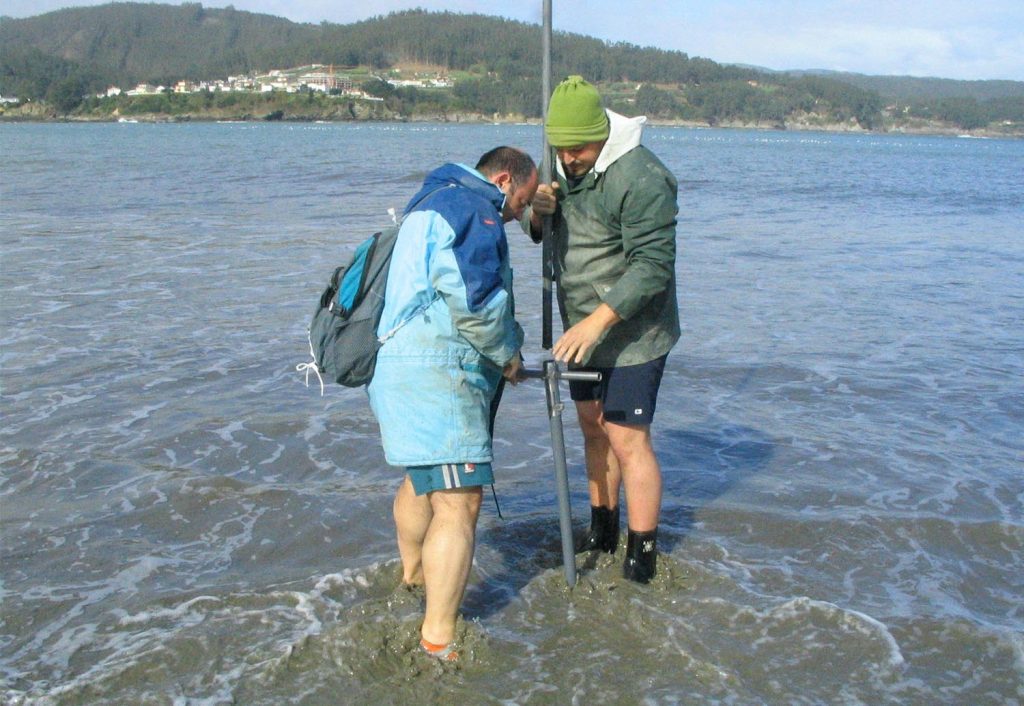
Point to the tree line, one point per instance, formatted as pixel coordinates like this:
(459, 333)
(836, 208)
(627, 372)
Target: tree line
(62, 56)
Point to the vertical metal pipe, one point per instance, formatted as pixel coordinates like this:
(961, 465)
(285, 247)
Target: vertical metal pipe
(554, 400)
(547, 252)
(551, 373)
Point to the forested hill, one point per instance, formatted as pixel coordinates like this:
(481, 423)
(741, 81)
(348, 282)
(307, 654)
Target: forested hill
(132, 42)
(62, 56)
(908, 88)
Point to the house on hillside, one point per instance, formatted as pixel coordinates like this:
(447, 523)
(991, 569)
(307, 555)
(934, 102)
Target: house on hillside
(326, 81)
(145, 89)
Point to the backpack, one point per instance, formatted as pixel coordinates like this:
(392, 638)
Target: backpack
(343, 333)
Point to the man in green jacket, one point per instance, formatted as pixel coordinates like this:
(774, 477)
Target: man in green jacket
(614, 227)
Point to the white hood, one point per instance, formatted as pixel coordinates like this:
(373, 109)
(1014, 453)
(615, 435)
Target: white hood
(624, 134)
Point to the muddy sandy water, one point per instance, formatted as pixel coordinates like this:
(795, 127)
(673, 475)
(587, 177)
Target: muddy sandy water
(184, 522)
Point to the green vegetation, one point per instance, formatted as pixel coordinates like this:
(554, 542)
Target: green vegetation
(967, 112)
(61, 57)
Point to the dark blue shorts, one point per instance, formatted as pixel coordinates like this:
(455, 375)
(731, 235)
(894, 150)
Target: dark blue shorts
(628, 394)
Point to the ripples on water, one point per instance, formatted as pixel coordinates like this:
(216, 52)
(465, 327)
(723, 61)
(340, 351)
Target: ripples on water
(184, 522)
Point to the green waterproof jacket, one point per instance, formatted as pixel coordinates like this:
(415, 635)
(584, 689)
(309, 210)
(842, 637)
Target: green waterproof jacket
(615, 242)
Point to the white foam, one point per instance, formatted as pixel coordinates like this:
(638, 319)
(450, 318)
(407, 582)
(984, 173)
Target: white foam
(860, 621)
(175, 613)
(126, 581)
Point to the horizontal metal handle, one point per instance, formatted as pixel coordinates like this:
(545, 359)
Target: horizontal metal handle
(577, 375)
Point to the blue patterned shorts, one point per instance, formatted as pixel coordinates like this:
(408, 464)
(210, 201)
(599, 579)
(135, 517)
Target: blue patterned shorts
(447, 476)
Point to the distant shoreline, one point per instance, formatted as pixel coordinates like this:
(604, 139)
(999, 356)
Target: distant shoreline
(925, 129)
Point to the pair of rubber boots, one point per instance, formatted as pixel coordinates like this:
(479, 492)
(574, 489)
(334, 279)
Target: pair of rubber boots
(641, 547)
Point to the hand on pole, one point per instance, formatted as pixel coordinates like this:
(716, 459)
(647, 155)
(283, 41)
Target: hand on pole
(546, 199)
(513, 371)
(544, 203)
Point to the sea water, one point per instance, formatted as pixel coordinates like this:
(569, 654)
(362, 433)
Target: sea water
(184, 521)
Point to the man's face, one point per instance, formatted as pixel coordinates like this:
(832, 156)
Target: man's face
(517, 197)
(579, 159)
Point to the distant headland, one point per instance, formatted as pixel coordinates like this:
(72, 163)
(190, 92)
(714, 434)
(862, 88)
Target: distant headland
(163, 63)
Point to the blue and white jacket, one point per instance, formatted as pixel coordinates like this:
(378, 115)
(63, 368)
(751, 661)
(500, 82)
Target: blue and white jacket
(447, 325)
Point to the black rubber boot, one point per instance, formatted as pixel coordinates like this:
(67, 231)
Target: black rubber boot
(604, 531)
(641, 556)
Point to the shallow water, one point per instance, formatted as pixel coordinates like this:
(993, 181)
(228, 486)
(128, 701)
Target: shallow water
(183, 522)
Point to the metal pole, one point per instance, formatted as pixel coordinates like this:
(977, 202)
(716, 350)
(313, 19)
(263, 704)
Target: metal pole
(551, 376)
(551, 373)
(561, 472)
(547, 252)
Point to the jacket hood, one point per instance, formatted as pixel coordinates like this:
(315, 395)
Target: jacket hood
(624, 136)
(458, 175)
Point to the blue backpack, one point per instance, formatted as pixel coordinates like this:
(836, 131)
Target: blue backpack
(343, 333)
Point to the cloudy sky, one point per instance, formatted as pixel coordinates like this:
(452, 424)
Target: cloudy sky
(965, 39)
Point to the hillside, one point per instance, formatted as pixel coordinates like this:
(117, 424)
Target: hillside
(911, 88)
(137, 41)
(60, 57)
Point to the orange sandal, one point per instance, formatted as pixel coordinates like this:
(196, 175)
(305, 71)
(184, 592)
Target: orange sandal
(445, 653)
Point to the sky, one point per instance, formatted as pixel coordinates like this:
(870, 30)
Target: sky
(962, 39)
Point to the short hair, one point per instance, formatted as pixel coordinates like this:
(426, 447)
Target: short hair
(507, 159)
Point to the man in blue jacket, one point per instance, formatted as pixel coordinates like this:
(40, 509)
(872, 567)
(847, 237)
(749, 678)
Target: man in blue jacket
(448, 337)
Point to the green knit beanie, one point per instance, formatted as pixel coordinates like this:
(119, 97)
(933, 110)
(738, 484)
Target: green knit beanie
(575, 115)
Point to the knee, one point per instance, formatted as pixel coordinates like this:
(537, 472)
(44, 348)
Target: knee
(593, 432)
(630, 443)
(591, 421)
(458, 504)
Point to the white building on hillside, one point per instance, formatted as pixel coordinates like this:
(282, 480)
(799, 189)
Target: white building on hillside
(326, 81)
(145, 89)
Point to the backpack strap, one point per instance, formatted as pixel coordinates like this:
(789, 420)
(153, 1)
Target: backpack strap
(416, 312)
(419, 310)
(424, 198)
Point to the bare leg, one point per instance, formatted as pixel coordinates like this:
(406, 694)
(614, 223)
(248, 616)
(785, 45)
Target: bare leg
(447, 558)
(641, 473)
(603, 470)
(412, 518)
